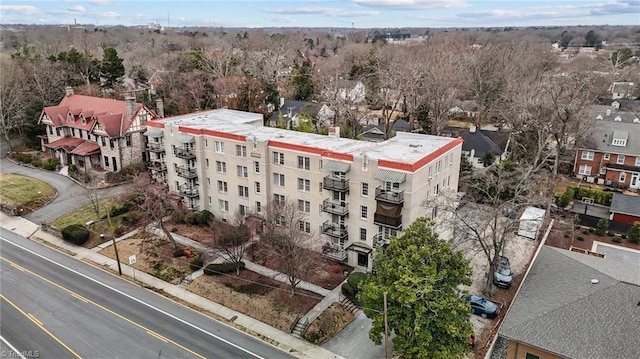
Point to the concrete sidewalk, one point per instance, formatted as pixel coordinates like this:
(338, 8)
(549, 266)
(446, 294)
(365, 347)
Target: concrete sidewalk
(286, 342)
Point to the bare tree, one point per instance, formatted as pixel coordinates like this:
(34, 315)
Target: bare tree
(154, 201)
(288, 243)
(231, 240)
(12, 99)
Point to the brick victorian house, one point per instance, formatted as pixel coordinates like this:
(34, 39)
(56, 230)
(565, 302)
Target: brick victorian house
(612, 156)
(94, 132)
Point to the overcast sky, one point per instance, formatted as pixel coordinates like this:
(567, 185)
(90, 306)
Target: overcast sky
(326, 13)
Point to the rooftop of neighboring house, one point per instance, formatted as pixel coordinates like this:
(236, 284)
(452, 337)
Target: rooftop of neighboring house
(292, 108)
(577, 306)
(407, 148)
(613, 125)
(621, 104)
(376, 132)
(111, 114)
(347, 84)
(481, 141)
(625, 204)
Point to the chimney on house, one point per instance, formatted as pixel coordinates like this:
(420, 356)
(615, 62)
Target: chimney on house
(160, 107)
(281, 102)
(68, 91)
(131, 104)
(334, 132)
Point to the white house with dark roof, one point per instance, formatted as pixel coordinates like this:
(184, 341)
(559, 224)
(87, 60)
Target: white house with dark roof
(574, 306)
(354, 194)
(622, 90)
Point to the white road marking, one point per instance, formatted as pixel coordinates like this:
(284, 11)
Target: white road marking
(134, 299)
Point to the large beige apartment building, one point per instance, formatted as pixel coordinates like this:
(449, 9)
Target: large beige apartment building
(355, 194)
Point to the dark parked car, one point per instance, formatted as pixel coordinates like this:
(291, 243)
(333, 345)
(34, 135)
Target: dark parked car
(502, 277)
(482, 306)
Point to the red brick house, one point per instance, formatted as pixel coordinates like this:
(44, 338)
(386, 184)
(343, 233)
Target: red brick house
(612, 156)
(94, 132)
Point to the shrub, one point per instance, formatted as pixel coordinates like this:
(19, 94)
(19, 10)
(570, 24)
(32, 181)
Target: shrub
(196, 263)
(177, 216)
(580, 238)
(178, 252)
(617, 239)
(118, 210)
(221, 268)
(190, 218)
(634, 233)
(51, 164)
(566, 234)
(75, 234)
(37, 162)
(355, 279)
(602, 226)
(23, 157)
(348, 291)
(203, 217)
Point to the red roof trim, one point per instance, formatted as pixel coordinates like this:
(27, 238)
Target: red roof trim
(220, 134)
(424, 160)
(317, 151)
(155, 124)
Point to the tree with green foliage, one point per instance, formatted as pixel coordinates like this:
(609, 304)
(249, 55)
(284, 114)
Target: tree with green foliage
(592, 39)
(634, 233)
(111, 67)
(302, 80)
(420, 274)
(488, 159)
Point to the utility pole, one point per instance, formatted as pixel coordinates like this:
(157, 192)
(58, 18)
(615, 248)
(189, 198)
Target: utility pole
(113, 238)
(386, 328)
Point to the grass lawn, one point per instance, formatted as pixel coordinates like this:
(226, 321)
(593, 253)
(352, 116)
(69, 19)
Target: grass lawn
(24, 192)
(85, 214)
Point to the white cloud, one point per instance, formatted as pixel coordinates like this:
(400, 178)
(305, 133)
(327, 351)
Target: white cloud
(100, 2)
(20, 9)
(107, 15)
(328, 11)
(412, 4)
(77, 9)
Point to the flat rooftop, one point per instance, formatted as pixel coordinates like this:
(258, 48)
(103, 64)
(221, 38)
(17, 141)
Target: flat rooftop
(405, 147)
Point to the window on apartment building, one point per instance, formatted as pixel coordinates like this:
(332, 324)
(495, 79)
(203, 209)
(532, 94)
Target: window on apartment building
(446, 161)
(620, 160)
(365, 189)
(623, 177)
(584, 170)
(606, 156)
(278, 158)
(219, 146)
(304, 185)
(206, 143)
(278, 179)
(434, 212)
(256, 166)
(241, 151)
(106, 161)
(438, 166)
(436, 189)
(587, 155)
(223, 205)
(258, 207)
(243, 191)
(73, 132)
(222, 186)
(207, 162)
(363, 259)
(242, 171)
(244, 210)
(279, 198)
(208, 181)
(531, 356)
(450, 159)
(364, 211)
(221, 167)
(638, 161)
(304, 206)
(304, 163)
(127, 140)
(304, 226)
(112, 143)
(209, 199)
(257, 187)
(363, 234)
(102, 139)
(603, 170)
(448, 181)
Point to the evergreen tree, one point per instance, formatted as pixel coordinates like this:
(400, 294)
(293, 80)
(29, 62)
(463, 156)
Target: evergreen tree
(302, 80)
(111, 67)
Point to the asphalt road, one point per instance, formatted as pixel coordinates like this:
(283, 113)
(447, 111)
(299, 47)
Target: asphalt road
(70, 195)
(64, 308)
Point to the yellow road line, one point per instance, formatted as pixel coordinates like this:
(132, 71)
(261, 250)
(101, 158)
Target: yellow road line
(39, 325)
(18, 267)
(158, 336)
(78, 296)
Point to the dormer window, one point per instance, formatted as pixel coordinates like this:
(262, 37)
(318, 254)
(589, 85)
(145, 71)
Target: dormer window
(620, 138)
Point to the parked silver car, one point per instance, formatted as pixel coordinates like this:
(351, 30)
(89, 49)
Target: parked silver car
(503, 277)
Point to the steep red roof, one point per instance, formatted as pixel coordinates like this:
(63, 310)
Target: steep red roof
(67, 143)
(86, 148)
(112, 114)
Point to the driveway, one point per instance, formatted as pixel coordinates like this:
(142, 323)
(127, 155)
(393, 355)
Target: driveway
(70, 194)
(353, 341)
